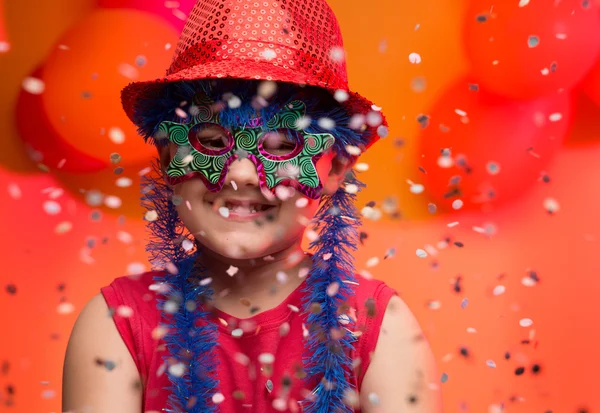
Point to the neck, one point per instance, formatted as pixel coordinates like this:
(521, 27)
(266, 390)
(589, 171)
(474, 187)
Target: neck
(266, 280)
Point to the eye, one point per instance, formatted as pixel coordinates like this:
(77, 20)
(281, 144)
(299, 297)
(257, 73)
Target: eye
(211, 136)
(281, 142)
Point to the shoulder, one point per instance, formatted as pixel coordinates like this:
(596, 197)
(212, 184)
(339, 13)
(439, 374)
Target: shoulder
(97, 363)
(370, 299)
(137, 292)
(402, 371)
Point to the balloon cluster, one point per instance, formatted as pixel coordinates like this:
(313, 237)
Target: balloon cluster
(66, 112)
(492, 133)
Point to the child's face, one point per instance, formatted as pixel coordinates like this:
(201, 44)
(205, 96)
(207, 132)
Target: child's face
(242, 222)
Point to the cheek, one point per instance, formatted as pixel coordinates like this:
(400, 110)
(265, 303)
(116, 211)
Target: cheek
(324, 166)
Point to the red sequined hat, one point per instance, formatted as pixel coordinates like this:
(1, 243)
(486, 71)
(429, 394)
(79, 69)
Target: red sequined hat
(294, 41)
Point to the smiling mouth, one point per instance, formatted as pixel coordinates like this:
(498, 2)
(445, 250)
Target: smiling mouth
(241, 210)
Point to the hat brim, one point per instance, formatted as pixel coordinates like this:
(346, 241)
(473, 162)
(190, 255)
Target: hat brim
(249, 70)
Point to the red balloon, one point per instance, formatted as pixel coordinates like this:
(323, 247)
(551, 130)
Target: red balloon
(592, 83)
(483, 149)
(4, 45)
(36, 130)
(531, 50)
(175, 12)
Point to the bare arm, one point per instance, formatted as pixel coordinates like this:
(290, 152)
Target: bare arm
(99, 373)
(402, 376)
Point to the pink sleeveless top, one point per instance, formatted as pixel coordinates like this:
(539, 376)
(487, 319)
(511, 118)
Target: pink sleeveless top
(245, 385)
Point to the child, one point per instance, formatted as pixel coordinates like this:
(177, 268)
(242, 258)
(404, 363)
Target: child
(257, 134)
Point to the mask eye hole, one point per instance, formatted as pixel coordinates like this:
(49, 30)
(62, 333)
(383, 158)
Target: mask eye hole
(210, 138)
(284, 143)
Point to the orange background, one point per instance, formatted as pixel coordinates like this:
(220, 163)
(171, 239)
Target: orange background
(48, 267)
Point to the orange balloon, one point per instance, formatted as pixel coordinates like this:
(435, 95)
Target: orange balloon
(86, 72)
(482, 149)
(531, 50)
(379, 43)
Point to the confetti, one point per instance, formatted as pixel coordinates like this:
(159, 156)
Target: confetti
(434, 305)
(113, 202)
(94, 198)
(356, 121)
(303, 122)
(445, 161)
(268, 54)
(171, 307)
(136, 268)
(279, 404)
(372, 214)
(52, 207)
(177, 369)
(555, 117)
(4, 47)
(371, 262)
(63, 227)
(128, 71)
(374, 399)
(266, 358)
(65, 308)
(337, 54)
(382, 131)
(523, 3)
(499, 290)
(232, 270)
(267, 89)
(526, 322)
(533, 41)
(14, 191)
(234, 102)
(374, 119)
(33, 85)
(124, 311)
(140, 61)
(464, 303)
(224, 212)
(242, 359)
(341, 96)
(187, 245)
(418, 84)
(417, 188)
(124, 182)
(421, 253)
(457, 204)
(284, 329)
(414, 58)
(181, 113)
(238, 332)
(301, 202)
(333, 288)
(389, 253)
(551, 205)
(444, 378)
(492, 168)
(116, 135)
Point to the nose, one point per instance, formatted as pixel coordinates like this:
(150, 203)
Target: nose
(243, 172)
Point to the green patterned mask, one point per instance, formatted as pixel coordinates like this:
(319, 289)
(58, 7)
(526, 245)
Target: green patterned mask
(282, 153)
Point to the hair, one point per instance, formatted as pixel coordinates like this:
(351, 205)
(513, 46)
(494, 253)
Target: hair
(167, 103)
